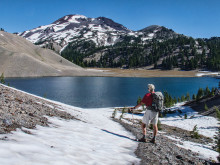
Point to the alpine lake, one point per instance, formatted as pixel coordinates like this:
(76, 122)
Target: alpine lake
(99, 92)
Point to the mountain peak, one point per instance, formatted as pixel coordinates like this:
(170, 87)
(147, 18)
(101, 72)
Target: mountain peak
(72, 18)
(101, 30)
(112, 24)
(150, 28)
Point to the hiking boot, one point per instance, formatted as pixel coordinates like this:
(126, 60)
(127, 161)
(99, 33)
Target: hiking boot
(153, 140)
(142, 139)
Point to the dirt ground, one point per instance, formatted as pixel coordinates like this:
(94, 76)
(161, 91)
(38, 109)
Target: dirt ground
(117, 72)
(166, 151)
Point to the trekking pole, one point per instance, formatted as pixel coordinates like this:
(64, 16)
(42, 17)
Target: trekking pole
(133, 116)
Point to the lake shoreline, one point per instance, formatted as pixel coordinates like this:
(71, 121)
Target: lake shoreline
(117, 72)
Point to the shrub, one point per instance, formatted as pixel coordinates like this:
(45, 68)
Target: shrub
(207, 91)
(122, 113)
(114, 113)
(2, 78)
(139, 100)
(185, 116)
(159, 125)
(195, 133)
(168, 100)
(200, 93)
(213, 92)
(218, 138)
(175, 100)
(217, 112)
(45, 95)
(143, 107)
(206, 107)
(187, 96)
(194, 97)
(183, 98)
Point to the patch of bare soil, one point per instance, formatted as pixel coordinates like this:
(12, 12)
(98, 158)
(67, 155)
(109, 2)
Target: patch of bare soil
(117, 72)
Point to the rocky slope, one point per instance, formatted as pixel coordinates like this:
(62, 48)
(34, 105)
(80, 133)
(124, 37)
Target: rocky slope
(18, 110)
(21, 58)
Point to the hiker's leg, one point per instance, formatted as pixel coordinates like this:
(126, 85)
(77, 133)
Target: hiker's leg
(154, 122)
(143, 138)
(144, 130)
(155, 130)
(153, 140)
(145, 121)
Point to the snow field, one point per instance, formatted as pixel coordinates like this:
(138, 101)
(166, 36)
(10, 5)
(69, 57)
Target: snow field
(94, 139)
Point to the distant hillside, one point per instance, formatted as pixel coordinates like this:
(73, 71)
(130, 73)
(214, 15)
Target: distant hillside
(21, 58)
(101, 42)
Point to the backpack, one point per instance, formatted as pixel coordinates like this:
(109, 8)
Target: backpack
(157, 104)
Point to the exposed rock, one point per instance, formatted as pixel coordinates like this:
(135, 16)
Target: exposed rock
(19, 110)
(165, 151)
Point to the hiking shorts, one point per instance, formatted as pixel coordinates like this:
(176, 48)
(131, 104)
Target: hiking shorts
(150, 117)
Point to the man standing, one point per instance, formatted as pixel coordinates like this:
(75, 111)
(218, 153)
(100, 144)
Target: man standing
(150, 115)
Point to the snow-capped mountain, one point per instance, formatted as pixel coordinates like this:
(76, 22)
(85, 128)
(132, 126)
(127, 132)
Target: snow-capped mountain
(102, 31)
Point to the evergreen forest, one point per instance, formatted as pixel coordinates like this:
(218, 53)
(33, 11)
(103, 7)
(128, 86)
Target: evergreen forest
(180, 52)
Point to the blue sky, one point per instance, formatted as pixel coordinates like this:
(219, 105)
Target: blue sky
(196, 18)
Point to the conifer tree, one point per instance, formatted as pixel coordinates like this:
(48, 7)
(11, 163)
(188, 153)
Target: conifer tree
(2, 78)
(200, 93)
(194, 97)
(139, 100)
(206, 107)
(187, 96)
(207, 91)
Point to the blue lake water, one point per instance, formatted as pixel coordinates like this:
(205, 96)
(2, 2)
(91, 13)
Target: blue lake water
(95, 92)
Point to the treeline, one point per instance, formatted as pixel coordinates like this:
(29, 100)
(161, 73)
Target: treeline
(77, 51)
(188, 57)
(180, 52)
(170, 101)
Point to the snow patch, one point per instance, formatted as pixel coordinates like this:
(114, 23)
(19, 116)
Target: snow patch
(206, 73)
(151, 35)
(205, 151)
(73, 19)
(206, 125)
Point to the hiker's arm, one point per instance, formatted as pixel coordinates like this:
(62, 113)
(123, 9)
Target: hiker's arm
(137, 106)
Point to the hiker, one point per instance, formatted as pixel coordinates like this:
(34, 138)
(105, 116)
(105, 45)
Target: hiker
(150, 115)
